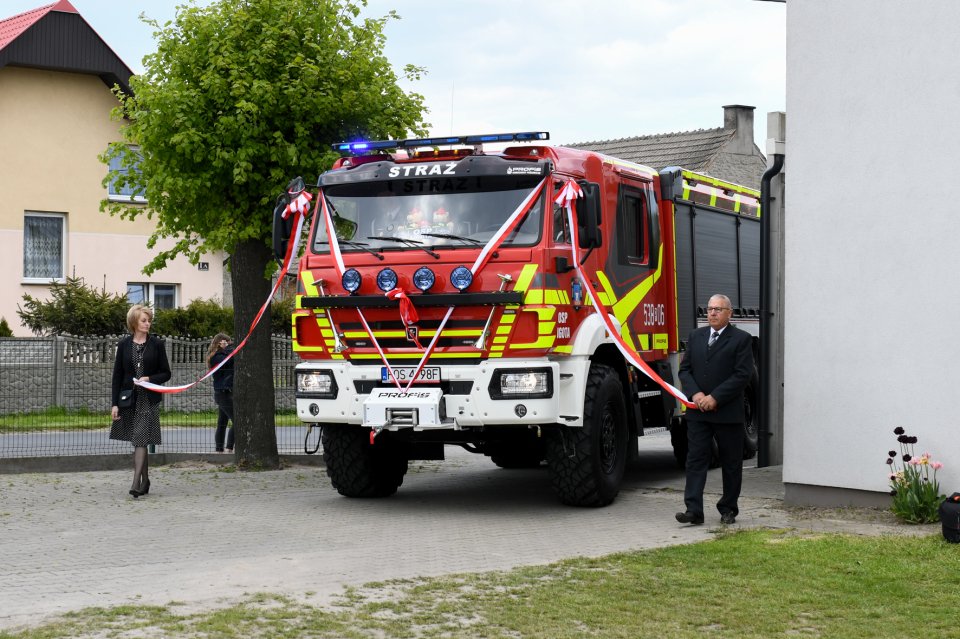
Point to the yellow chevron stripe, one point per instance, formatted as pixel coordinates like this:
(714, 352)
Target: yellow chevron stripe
(626, 306)
(309, 284)
(545, 341)
(416, 356)
(525, 277)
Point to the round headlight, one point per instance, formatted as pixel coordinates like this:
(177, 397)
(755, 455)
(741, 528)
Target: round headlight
(461, 277)
(387, 279)
(424, 279)
(351, 280)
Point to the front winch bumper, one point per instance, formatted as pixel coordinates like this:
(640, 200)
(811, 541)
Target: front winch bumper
(393, 409)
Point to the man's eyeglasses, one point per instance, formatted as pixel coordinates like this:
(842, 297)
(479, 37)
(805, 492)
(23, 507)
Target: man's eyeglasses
(717, 309)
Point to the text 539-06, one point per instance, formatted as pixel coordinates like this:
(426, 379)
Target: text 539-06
(653, 314)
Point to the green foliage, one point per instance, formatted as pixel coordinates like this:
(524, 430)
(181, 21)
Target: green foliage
(206, 318)
(5, 330)
(241, 96)
(199, 318)
(280, 312)
(75, 309)
(915, 489)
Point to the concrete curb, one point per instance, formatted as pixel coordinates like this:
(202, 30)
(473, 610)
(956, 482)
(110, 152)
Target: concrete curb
(86, 463)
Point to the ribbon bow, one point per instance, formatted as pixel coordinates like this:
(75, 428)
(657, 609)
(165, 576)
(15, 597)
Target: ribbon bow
(300, 204)
(408, 312)
(570, 192)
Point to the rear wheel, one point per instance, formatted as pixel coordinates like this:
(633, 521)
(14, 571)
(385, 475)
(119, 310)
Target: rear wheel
(678, 438)
(587, 464)
(358, 469)
(751, 417)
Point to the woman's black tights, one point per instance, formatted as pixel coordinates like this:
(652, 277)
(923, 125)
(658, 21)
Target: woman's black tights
(140, 470)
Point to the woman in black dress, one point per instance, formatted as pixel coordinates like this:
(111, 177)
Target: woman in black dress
(141, 356)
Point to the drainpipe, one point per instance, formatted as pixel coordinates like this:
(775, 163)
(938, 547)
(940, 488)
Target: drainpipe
(767, 362)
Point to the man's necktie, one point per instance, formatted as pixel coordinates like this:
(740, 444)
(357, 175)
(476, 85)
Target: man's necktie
(713, 339)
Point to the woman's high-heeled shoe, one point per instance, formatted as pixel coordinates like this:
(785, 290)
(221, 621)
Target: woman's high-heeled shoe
(135, 493)
(145, 487)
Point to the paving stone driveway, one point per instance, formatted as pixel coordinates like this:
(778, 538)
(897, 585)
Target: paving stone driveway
(72, 540)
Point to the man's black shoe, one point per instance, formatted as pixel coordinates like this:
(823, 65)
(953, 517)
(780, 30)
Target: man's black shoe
(728, 518)
(689, 518)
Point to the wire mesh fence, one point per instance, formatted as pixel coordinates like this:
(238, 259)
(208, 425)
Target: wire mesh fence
(55, 397)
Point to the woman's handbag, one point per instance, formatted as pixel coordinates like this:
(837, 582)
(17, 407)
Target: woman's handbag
(126, 399)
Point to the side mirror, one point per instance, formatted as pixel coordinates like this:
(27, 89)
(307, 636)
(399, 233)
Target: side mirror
(588, 215)
(282, 228)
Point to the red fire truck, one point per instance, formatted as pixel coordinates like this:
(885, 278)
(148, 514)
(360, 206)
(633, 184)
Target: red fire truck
(447, 296)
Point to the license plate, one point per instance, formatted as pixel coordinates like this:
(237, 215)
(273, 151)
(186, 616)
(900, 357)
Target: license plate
(428, 374)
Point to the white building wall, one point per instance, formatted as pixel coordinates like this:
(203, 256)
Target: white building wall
(872, 233)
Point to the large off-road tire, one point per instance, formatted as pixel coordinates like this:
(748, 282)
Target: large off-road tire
(751, 414)
(358, 469)
(587, 464)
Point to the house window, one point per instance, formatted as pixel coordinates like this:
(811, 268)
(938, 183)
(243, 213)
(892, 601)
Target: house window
(44, 247)
(159, 296)
(119, 164)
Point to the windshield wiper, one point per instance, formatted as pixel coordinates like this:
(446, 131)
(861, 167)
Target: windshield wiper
(465, 240)
(359, 245)
(416, 243)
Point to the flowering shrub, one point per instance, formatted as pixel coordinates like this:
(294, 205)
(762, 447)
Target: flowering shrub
(915, 490)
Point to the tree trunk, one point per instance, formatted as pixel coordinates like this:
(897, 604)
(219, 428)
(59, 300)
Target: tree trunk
(253, 398)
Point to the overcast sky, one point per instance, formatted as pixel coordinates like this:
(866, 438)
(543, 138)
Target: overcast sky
(583, 70)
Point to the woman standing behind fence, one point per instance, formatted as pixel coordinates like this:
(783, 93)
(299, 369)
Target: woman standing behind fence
(220, 347)
(137, 419)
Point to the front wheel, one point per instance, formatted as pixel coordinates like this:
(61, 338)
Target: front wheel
(587, 464)
(358, 468)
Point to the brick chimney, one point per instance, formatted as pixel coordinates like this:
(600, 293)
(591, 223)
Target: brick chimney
(739, 118)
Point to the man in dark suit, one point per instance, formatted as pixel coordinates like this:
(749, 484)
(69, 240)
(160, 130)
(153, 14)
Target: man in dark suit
(714, 372)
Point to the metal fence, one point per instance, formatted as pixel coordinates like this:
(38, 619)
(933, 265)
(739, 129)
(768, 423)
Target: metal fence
(55, 397)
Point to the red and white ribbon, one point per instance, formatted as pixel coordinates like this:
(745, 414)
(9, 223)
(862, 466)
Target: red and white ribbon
(484, 256)
(299, 204)
(567, 198)
(408, 312)
(331, 235)
(340, 267)
(292, 250)
(486, 253)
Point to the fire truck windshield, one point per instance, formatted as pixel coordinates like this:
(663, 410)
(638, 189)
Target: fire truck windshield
(460, 212)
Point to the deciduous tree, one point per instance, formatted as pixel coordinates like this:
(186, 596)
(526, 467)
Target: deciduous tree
(240, 96)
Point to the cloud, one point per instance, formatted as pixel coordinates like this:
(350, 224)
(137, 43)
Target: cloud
(590, 70)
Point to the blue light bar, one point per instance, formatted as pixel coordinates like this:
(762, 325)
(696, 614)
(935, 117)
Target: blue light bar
(362, 146)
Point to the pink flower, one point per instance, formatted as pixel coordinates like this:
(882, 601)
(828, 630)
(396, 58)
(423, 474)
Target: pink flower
(936, 465)
(915, 462)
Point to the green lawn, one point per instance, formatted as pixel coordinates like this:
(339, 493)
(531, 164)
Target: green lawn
(742, 584)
